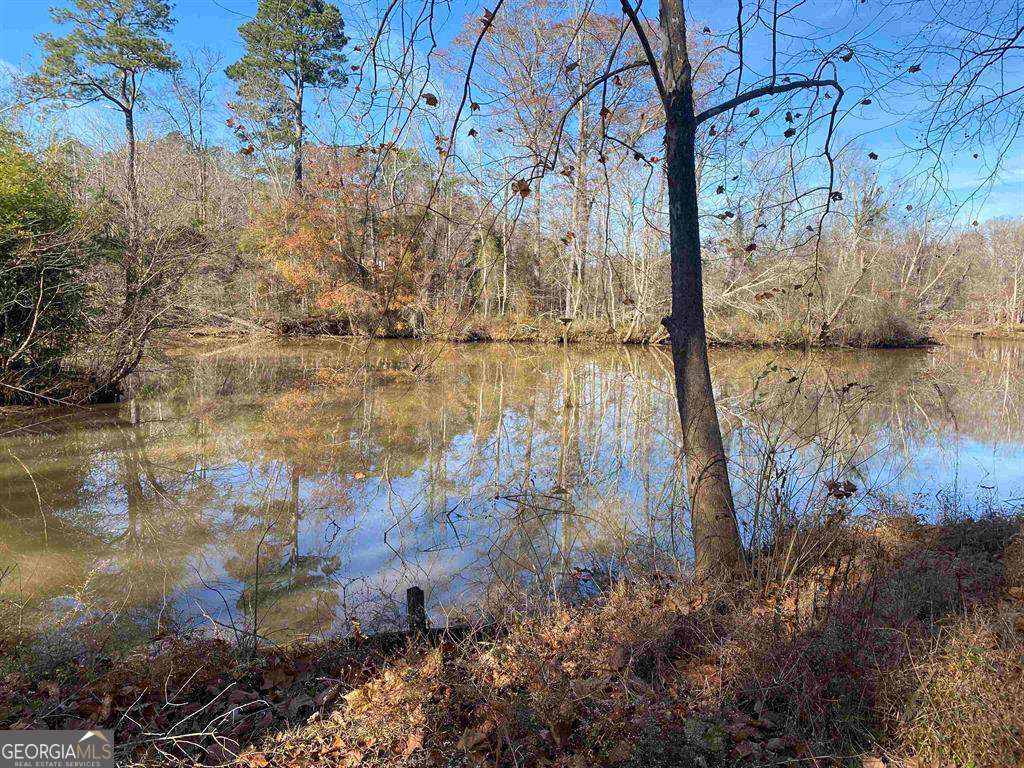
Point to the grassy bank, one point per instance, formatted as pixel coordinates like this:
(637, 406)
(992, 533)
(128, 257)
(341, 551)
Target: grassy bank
(888, 644)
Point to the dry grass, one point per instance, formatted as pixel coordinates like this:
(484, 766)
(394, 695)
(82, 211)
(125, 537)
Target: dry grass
(659, 673)
(914, 653)
(961, 701)
(876, 325)
(745, 330)
(540, 329)
(879, 324)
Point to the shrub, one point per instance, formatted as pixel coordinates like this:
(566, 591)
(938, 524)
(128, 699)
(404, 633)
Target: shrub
(43, 255)
(879, 324)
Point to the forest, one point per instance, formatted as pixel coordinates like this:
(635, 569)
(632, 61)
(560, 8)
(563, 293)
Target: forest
(551, 383)
(539, 212)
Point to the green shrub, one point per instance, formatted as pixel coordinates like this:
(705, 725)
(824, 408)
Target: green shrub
(43, 255)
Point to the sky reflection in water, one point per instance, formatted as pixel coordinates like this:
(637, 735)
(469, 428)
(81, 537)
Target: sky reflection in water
(350, 471)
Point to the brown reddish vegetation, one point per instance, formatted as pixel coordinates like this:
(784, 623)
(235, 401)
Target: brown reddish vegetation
(902, 647)
(722, 332)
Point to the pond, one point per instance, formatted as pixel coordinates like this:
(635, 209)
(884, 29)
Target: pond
(291, 487)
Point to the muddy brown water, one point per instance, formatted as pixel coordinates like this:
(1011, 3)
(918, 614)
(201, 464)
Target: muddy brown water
(297, 485)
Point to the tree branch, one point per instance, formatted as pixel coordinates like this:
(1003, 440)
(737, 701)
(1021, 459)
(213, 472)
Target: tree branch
(766, 90)
(648, 51)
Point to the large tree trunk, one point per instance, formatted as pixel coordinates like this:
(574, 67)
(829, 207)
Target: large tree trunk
(715, 533)
(299, 131)
(133, 327)
(131, 178)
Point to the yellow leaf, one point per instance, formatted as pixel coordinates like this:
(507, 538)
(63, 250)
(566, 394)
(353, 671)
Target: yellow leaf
(357, 699)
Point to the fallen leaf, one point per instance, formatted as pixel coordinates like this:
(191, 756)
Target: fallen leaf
(297, 704)
(585, 687)
(254, 760)
(358, 699)
(240, 696)
(266, 720)
(618, 657)
(277, 676)
(414, 742)
(327, 696)
(472, 738)
(97, 711)
(746, 749)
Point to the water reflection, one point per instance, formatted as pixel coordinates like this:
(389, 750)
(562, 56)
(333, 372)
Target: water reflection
(285, 489)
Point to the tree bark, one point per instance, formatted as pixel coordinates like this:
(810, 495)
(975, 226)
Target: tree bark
(133, 259)
(715, 533)
(131, 177)
(299, 130)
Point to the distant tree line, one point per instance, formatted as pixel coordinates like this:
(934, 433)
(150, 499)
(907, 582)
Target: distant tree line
(437, 235)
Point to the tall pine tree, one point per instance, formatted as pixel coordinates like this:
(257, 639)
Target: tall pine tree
(110, 49)
(291, 45)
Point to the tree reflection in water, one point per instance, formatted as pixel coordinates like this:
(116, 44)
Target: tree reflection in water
(354, 470)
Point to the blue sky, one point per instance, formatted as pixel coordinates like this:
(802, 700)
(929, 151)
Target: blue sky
(213, 24)
(200, 23)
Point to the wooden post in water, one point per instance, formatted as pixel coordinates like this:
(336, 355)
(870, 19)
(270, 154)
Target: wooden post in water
(416, 609)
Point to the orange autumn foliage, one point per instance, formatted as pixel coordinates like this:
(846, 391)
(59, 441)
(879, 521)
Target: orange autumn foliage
(338, 249)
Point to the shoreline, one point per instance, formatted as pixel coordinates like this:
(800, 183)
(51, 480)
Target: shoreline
(585, 337)
(633, 677)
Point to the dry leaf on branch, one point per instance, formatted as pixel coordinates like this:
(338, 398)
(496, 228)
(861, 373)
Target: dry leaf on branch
(521, 187)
